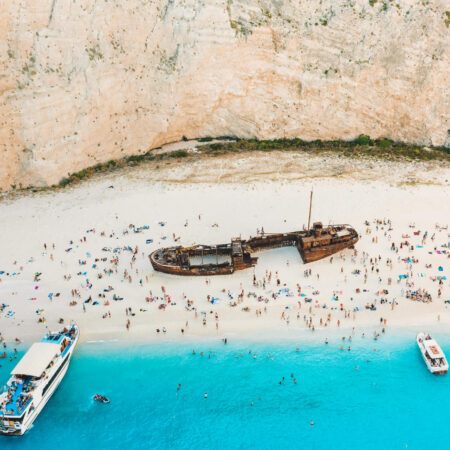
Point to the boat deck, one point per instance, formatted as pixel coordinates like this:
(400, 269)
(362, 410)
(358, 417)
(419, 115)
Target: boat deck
(53, 338)
(12, 408)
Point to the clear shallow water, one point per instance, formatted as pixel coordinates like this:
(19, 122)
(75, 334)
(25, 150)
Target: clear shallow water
(388, 403)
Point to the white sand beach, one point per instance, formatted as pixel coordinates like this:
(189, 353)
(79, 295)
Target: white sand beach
(92, 230)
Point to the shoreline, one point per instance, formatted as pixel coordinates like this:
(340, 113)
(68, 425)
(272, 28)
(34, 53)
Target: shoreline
(266, 336)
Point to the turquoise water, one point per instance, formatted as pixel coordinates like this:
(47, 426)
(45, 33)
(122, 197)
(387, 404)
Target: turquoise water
(389, 402)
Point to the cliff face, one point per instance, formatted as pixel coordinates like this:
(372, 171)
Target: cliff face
(85, 81)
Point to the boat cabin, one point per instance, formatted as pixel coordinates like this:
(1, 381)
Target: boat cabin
(317, 228)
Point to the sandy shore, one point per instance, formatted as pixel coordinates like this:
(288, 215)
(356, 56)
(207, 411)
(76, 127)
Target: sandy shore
(240, 195)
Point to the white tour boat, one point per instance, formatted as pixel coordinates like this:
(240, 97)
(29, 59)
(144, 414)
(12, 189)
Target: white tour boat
(35, 379)
(432, 354)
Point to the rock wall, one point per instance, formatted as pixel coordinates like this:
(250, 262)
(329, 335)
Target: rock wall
(85, 81)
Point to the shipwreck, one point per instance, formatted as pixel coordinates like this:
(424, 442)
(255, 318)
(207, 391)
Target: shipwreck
(313, 243)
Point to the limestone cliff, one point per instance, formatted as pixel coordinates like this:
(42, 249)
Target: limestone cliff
(85, 81)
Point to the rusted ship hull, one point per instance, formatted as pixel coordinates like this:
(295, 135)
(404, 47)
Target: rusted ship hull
(199, 271)
(312, 245)
(315, 254)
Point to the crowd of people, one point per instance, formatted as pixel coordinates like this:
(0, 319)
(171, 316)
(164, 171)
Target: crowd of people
(385, 270)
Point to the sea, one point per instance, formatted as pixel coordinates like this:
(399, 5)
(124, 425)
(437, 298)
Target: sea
(295, 393)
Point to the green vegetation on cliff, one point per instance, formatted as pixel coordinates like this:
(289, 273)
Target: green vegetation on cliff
(361, 147)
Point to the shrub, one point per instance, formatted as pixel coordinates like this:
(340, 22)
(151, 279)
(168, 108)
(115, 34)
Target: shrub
(178, 154)
(135, 158)
(64, 182)
(216, 146)
(385, 143)
(363, 139)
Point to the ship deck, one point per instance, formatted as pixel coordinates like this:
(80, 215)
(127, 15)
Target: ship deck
(12, 409)
(312, 245)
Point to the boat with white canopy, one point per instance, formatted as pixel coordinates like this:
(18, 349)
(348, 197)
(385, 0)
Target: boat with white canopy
(34, 380)
(432, 354)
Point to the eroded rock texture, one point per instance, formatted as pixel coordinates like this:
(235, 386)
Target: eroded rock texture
(85, 81)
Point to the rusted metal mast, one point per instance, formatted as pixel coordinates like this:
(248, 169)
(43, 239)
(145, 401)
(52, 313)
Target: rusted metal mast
(310, 206)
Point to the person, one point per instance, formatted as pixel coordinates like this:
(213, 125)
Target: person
(206, 395)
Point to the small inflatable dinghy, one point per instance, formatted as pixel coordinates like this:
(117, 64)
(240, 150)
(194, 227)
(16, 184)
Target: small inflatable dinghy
(101, 398)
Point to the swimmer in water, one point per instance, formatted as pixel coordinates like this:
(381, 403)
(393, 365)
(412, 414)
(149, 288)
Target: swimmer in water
(206, 395)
